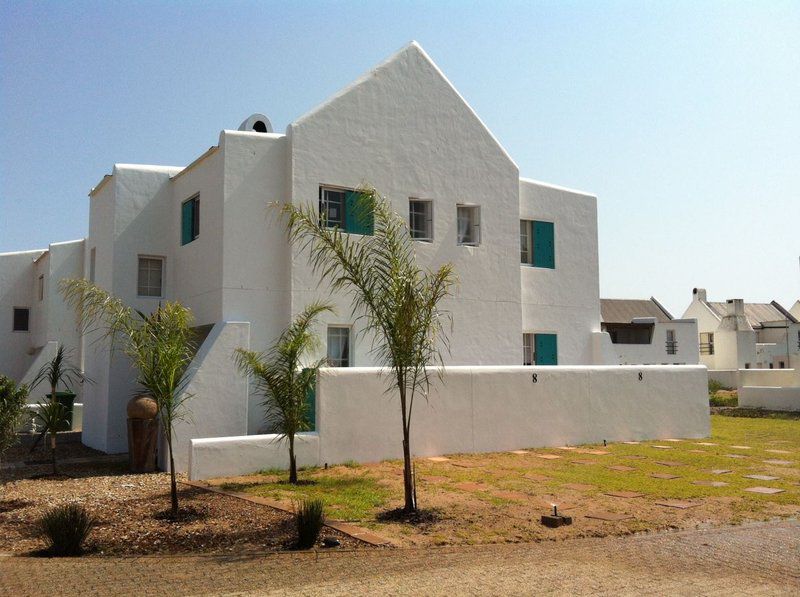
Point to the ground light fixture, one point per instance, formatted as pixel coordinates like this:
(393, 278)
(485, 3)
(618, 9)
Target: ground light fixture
(555, 519)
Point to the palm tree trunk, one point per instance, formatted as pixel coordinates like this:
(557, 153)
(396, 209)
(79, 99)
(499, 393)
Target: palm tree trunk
(292, 461)
(53, 450)
(173, 484)
(408, 479)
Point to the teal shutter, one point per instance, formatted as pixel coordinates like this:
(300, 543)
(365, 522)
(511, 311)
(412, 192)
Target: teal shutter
(544, 254)
(186, 222)
(358, 218)
(546, 347)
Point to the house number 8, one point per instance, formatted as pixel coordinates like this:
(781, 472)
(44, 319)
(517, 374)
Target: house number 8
(535, 379)
(640, 376)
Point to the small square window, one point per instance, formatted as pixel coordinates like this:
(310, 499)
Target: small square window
(338, 346)
(672, 344)
(469, 224)
(41, 287)
(190, 220)
(22, 316)
(151, 277)
(420, 219)
(331, 207)
(527, 349)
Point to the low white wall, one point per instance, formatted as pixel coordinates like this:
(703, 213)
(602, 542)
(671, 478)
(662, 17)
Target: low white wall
(771, 398)
(226, 456)
(788, 378)
(484, 409)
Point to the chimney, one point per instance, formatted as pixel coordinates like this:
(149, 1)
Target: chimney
(736, 307)
(734, 319)
(699, 294)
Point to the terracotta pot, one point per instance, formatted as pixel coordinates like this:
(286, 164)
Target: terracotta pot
(142, 407)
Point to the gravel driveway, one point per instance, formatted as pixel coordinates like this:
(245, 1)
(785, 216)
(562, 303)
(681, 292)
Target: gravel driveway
(757, 559)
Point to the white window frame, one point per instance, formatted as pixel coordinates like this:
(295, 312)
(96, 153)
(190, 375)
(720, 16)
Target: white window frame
(474, 226)
(323, 205)
(333, 362)
(526, 232)
(139, 259)
(528, 349)
(427, 233)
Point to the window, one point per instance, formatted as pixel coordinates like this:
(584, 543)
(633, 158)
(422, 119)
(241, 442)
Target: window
(672, 344)
(22, 316)
(537, 243)
(420, 219)
(747, 365)
(781, 365)
(190, 220)
(92, 259)
(545, 349)
(527, 349)
(41, 287)
(629, 333)
(707, 343)
(151, 277)
(469, 224)
(338, 346)
(345, 209)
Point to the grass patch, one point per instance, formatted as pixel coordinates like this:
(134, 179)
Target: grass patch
(724, 399)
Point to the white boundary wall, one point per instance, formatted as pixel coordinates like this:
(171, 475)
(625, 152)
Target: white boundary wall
(772, 389)
(478, 409)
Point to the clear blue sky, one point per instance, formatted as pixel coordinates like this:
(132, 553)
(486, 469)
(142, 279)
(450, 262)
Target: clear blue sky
(682, 117)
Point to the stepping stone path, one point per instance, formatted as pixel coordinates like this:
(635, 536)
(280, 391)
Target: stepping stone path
(624, 494)
(664, 476)
(578, 486)
(547, 456)
(595, 452)
(779, 451)
(741, 447)
(438, 459)
(535, 477)
(469, 486)
(671, 440)
(720, 471)
(698, 451)
(435, 479)
(622, 468)
(662, 447)
(761, 477)
(632, 443)
(706, 444)
(516, 496)
(567, 448)
(781, 462)
(669, 463)
(519, 452)
(677, 504)
(636, 457)
(608, 516)
(735, 456)
(765, 490)
(710, 483)
(466, 465)
(584, 462)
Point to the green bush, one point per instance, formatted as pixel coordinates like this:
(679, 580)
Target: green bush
(714, 386)
(65, 528)
(12, 409)
(724, 400)
(310, 518)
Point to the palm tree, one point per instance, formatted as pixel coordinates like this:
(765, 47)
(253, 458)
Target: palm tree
(52, 414)
(398, 300)
(280, 377)
(161, 346)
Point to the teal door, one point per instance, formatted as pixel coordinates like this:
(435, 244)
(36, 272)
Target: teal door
(546, 349)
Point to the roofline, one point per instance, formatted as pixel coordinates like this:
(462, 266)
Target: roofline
(42, 256)
(557, 188)
(660, 306)
(29, 251)
(786, 313)
(210, 151)
(100, 185)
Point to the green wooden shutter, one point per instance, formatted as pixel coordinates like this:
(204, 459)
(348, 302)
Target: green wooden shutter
(546, 347)
(544, 245)
(186, 222)
(358, 218)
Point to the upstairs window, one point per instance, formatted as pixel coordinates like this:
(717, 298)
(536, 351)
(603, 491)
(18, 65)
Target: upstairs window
(707, 343)
(41, 287)
(420, 219)
(672, 344)
(92, 263)
(527, 349)
(469, 224)
(190, 220)
(22, 316)
(345, 209)
(338, 346)
(151, 277)
(537, 243)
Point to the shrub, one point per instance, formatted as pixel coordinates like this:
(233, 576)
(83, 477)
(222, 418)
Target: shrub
(12, 409)
(310, 518)
(728, 399)
(714, 386)
(65, 528)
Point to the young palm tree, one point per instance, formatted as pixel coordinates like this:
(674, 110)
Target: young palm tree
(398, 300)
(280, 376)
(161, 346)
(52, 414)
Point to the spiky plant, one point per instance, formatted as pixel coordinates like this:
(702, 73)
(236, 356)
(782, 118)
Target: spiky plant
(283, 378)
(310, 518)
(160, 345)
(12, 409)
(398, 301)
(66, 528)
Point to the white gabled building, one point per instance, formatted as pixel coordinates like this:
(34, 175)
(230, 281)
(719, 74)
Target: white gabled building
(209, 235)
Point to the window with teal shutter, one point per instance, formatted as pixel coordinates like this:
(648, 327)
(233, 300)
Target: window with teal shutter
(358, 216)
(544, 245)
(545, 349)
(190, 220)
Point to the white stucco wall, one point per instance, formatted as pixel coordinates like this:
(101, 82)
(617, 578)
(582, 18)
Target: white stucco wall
(655, 353)
(485, 409)
(770, 398)
(16, 290)
(564, 300)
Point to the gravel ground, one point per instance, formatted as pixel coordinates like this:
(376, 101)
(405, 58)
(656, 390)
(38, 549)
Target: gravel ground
(131, 510)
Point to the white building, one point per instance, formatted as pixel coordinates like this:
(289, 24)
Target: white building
(736, 335)
(209, 234)
(643, 332)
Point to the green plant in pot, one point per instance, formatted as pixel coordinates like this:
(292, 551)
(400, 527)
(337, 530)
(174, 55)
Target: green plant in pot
(55, 413)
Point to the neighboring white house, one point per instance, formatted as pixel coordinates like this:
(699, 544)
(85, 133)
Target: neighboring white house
(736, 335)
(643, 332)
(210, 235)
